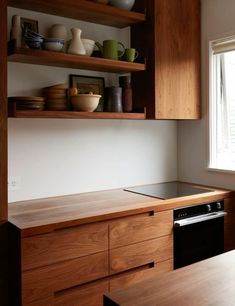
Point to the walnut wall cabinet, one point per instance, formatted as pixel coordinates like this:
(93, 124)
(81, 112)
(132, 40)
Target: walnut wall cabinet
(170, 42)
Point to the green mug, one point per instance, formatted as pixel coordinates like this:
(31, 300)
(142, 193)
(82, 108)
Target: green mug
(130, 54)
(110, 49)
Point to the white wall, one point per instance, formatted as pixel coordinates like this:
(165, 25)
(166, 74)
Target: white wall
(218, 19)
(56, 157)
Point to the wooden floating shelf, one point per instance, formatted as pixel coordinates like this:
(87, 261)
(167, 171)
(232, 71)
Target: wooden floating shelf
(59, 59)
(82, 10)
(74, 115)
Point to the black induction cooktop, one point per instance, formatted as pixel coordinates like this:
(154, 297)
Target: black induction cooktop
(168, 190)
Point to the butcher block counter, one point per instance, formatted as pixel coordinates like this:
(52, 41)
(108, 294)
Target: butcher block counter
(43, 215)
(70, 250)
(209, 282)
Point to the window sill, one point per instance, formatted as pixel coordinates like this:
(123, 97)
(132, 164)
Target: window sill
(220, 170)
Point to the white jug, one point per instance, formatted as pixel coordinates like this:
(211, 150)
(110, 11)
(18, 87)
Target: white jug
(76, 45)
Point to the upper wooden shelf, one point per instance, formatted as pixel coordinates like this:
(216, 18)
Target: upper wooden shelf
(59, 59)
(74, 115)
(82, 10)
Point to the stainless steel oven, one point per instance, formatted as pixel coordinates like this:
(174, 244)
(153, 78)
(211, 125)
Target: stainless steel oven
(198, 233)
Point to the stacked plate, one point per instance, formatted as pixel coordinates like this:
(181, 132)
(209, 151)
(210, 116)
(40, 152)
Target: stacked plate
(28, 103)
(56, 97)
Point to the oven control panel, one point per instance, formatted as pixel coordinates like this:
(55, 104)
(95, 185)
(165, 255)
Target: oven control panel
(197, 210)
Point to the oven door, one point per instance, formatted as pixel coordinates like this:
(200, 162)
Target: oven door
(198, 240)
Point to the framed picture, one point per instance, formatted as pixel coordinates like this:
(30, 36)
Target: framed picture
(86, 84)
(30, 24)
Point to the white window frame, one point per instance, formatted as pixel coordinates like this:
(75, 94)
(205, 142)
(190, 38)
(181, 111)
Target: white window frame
(211, 105)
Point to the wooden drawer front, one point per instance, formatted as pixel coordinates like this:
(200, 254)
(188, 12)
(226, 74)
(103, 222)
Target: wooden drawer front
(86, 295)
(139, 254)
(41, 250)
(140, 228)
(126, 279)
(44, 282)
(45, 302)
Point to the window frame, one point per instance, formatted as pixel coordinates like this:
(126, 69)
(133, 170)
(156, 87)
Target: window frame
(211, 106)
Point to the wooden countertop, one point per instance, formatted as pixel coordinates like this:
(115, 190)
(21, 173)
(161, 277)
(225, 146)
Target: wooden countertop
(209, 282)
(45, 215)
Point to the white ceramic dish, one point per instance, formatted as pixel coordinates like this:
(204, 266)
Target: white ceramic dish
(89, 46)
(85, 102)
(53, 46)
(123, 4)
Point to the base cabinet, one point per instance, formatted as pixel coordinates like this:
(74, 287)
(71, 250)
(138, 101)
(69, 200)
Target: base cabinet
(76, 266)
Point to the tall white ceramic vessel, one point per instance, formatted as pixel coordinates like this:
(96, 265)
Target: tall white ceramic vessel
(16, 30)
(76, 45)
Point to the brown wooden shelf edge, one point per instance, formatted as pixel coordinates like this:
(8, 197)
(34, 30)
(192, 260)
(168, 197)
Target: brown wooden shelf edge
(83, 10)
(74, 115)
(65, 60)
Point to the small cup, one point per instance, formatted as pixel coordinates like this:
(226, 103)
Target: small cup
(130, 54)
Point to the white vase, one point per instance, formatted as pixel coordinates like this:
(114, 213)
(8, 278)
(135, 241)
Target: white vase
(76, 45)
(16, 30)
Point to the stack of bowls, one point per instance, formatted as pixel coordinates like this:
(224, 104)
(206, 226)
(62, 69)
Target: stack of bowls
(56, 97)
(53, 44)
(33, 40)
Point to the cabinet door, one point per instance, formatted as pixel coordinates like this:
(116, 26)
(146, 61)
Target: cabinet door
(139, 228)
(170, 41)
(38, 251)
(86, 295)
(139, 254)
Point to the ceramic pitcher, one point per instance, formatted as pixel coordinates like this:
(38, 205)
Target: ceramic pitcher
(110, 49)
(76, 45)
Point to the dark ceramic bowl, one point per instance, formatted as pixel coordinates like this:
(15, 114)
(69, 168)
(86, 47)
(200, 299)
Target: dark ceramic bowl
(34, 44)
(31, 34)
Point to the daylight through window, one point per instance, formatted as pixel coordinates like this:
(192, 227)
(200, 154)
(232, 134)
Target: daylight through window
(222, 105)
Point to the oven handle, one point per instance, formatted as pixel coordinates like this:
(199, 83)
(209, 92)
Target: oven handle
(193, 220)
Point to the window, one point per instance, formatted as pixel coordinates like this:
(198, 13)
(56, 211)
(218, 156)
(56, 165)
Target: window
(222, 104)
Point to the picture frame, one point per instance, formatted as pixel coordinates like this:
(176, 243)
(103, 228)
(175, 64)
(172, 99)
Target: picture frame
(86, 84)
(30, 24)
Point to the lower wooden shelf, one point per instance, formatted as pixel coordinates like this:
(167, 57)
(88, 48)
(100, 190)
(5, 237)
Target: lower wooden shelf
(74, 115)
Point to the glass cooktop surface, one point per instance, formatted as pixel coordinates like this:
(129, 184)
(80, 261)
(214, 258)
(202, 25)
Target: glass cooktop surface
(168, 190)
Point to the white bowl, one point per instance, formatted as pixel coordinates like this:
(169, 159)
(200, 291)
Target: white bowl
(89, 45)
(53, 46)
(123, 4)
(85, 102)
